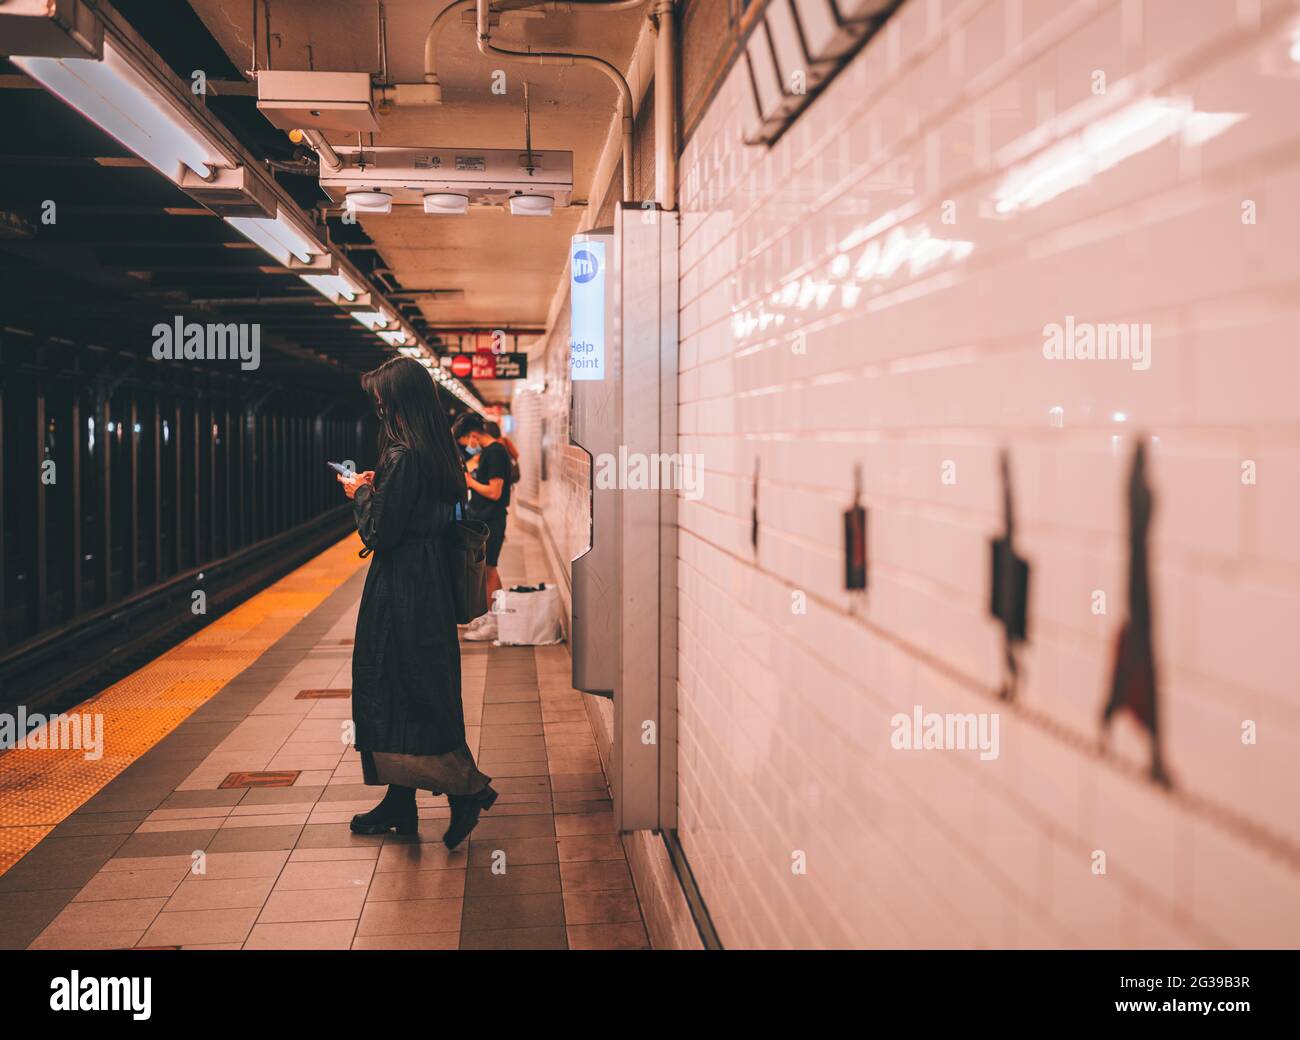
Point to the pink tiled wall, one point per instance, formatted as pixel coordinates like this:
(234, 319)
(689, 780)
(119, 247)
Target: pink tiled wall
(856, 295)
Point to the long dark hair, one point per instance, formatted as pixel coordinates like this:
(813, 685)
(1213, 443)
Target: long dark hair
(410, 414)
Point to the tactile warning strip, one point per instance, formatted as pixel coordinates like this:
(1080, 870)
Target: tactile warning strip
(40, 787)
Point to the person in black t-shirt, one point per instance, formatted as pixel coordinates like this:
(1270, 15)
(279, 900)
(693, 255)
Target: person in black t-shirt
(489, 500)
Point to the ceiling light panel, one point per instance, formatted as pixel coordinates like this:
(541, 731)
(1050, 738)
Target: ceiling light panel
(125, 104)
(281, 238)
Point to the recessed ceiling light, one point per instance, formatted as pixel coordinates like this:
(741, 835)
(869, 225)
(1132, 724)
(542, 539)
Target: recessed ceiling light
(531, 205)
(446, 202)
(368, 202)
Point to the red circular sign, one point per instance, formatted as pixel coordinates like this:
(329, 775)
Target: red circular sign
(461, 366)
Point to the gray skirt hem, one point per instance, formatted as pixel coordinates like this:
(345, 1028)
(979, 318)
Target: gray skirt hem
(451, 773)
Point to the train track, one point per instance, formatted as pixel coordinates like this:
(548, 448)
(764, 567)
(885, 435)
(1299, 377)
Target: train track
(61, 669)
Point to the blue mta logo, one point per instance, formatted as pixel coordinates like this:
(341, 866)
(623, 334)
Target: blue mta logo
(585, 266)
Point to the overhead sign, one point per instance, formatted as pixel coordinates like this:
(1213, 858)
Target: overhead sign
(486, 365)
(587, 310)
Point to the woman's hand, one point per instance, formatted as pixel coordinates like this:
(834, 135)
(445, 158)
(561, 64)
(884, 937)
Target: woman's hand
(354, 480)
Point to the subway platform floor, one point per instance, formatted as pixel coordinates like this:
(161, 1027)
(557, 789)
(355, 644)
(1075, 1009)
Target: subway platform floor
(231, 830)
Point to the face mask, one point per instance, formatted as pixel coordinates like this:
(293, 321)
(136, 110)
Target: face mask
(472, 451)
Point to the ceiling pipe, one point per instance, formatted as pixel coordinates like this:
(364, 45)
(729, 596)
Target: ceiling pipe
(329, 158)
(665, 105)
(433, 95)
(432, 92)
(431, 46)
(565, 58)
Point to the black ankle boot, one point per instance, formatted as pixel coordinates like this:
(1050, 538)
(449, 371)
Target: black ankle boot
(396, 812)
(464, 814)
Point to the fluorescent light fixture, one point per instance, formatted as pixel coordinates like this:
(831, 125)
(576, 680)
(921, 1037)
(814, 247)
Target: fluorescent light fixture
(368, 202)
(396, 338)
(373, 320)
(333, 286)
(531, 205)
(446, 202)
(412, 352)
(280, 237)
(125, 104)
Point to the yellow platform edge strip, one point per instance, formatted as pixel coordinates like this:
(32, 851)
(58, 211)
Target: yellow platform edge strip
(39, 788)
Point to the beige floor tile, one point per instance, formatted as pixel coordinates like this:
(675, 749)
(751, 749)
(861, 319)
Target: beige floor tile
(272, 808)
(576, 824)
(220, 894)
(308, 762)
(280, 819)
(180, 864)
(608, 937)
(310, 935)
(313, 747)
(595, 876)
(131, 884)
(213, 946)
(413, 941)
(222, 865)
(201, 813)
(326, 874)
(113, 940)
(417, 884)
(406, 916)
(611, 907)
(421, 856)
(322, 904)
(367, 852)
(80, 921)
(583, 847)
(200, 926)
(159, 826)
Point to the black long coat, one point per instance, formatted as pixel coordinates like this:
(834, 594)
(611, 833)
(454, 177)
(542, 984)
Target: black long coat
(406, 696)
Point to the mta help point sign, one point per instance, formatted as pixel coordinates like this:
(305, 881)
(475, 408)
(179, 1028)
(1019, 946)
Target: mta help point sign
(587, 310)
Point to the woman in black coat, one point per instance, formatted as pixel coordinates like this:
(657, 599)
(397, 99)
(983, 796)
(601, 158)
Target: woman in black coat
(406, 701)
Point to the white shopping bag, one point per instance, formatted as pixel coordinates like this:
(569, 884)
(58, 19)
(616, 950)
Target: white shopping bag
(528, 618)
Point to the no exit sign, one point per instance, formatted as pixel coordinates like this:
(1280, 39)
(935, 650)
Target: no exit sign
(486, 365)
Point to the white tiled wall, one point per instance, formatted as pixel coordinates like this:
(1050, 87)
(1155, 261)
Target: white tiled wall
(821, 330)
(541, 411)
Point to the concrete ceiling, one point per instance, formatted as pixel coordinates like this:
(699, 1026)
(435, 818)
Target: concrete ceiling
(507, 267)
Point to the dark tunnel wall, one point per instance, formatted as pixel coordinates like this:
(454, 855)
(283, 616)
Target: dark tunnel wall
(119, 473)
